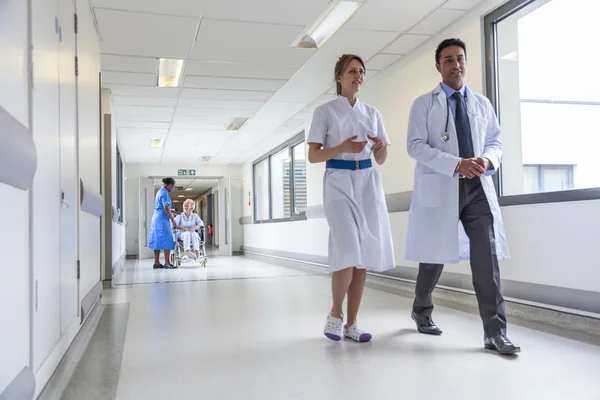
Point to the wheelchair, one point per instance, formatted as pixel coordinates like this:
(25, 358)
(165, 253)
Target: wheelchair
(179, 252)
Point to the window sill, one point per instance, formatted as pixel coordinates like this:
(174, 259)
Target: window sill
(296, 217)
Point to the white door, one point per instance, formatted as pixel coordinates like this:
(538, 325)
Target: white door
(68, 166)
(46, 206)
(146, 201)
(224, 231)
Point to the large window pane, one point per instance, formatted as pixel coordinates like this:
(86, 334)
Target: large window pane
(549, 114)
(261, 190)
(281, 184)
(299, 178)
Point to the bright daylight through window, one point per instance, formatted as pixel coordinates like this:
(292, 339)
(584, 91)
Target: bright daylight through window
(549, 96)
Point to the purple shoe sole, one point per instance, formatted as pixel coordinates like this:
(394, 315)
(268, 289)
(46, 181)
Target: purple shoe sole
(333, 337)
(365, 337)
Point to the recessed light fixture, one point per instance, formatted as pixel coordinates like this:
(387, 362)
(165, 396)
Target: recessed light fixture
(181, 195)
(237, 123)
(189, 189)
(156, 143)
(169, 72)
(338, 12)
(205, 159)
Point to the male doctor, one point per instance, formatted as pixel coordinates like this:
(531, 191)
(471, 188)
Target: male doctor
(454, 136)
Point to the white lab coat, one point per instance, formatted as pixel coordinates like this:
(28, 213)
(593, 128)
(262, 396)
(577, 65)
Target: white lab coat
(435, 234)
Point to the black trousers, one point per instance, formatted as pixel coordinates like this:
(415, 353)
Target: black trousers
(478, 221)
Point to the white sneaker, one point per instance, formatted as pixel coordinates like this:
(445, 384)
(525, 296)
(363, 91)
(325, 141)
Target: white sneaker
(355, 333)
(333, 328)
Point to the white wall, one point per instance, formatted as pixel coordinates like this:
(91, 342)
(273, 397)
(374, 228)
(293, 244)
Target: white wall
(551, 244)
(15, 288)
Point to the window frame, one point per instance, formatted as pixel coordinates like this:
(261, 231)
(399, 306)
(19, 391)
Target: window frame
(290, 144)
(490, 22)
(119, 176)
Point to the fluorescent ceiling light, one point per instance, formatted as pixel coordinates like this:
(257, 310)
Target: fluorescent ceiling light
(181, 195)
(189, 189)
(156, 143)
(327, 24)
(169, 72)
(237, 123)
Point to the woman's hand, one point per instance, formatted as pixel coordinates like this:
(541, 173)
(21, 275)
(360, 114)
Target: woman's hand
(350, 146)
(378, 144)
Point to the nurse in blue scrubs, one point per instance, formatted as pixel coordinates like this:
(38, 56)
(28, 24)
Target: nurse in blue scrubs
(161, 235)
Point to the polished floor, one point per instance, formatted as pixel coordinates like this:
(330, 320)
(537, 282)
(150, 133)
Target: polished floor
(251, 328)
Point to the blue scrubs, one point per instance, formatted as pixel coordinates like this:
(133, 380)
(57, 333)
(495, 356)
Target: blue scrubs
(161, 236)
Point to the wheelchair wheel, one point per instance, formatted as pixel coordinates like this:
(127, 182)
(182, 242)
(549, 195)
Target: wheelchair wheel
(174, 260)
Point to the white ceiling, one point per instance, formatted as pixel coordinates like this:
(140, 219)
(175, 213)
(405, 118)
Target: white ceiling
(239, 63)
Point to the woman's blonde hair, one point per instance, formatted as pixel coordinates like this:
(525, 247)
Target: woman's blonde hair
(340, 68)
(190, 201)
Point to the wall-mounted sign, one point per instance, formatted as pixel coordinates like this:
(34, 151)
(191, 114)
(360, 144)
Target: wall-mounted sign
(186, 172)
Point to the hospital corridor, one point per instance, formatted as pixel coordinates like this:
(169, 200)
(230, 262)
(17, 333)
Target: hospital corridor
(290, 200)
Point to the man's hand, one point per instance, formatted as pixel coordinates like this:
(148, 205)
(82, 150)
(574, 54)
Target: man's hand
(471, 168)
(484, 162)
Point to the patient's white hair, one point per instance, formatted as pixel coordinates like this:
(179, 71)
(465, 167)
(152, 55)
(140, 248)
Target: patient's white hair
(191, 202)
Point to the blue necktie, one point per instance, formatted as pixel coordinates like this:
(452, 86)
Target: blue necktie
(463, 129)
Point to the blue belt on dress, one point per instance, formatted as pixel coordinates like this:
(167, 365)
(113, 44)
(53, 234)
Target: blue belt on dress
(349, 164)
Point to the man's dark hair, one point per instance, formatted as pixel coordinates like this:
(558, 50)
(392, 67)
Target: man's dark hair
(449, 43)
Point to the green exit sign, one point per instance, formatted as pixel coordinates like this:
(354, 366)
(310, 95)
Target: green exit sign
(186, 172)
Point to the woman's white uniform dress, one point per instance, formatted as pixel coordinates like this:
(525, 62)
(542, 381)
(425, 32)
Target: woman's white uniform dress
(354, 200)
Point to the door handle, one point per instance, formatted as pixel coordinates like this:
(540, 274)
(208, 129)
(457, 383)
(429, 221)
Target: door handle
(62, 199)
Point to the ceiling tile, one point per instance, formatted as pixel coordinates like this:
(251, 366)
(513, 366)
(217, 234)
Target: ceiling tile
(140, 113)
(221, 104)
(248, 42)
(267, 85)
(144, 101)
(226, 94)
(438, 20)
(207, 112)
(240, 70)
(392, 15)
(406, 43)
(299, 13)
(461, 4)
(172, 40)
(128, 78)
(142, 91)
(128, 64)
(382, 61)
(144, 124)
(172, 7)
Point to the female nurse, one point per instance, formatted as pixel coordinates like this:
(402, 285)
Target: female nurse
(161, 235)
(344, 133)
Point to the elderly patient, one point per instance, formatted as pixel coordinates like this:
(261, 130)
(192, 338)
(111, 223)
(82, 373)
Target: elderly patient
(189, 222)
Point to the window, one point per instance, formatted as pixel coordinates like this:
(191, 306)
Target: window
(548, 113)
(547, 178)
(119, 185)
(299, 153)
(261, 190)
(280, 183)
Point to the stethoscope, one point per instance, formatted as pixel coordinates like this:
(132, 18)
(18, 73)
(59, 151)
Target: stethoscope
(445, 136)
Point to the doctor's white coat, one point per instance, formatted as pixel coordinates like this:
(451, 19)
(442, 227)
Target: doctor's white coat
(435, 233)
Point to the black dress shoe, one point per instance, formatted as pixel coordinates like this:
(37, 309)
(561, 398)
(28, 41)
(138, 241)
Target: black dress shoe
(426, 325)
(501, 344)
(158, 266)
(170, 266)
